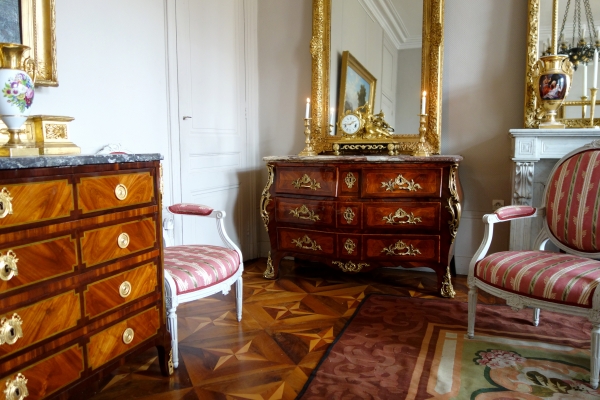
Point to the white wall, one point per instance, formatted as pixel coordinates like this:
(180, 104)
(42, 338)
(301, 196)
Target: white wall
(112, 74)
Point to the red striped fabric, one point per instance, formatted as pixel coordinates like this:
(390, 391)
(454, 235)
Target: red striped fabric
(562, 278)
(510, 212)
(190, 209)
(573, 202)
(195, 267)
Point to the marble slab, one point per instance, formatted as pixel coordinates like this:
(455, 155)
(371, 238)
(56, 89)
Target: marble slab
(74, 160)
(367, 158)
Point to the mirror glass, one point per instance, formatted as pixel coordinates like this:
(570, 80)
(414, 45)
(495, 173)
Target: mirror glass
(386, 40)
(10, 27)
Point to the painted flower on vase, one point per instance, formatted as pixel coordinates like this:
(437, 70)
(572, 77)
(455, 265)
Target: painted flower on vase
(19, 91)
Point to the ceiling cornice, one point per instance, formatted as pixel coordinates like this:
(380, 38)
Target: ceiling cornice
(384, 12)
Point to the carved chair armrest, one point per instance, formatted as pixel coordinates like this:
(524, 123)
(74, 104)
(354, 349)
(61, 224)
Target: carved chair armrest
(502, 214)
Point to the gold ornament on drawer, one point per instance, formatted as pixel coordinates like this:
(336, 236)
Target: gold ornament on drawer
(10, 329)
(349, 215)
(306, 243)
(125, 289)
(350, 246)
(399, 215)
(270, 270)
(454, 203)
(402, 184)
(447, 290)
(170, 363)
(121, 191)
(128, 336)
(306, 182)
(5, 203)
(17, 388)
(350, 266)
(308, 214)
(265, 198)
(401, 249)
(123, 240)
(350, 180)
(8, 265)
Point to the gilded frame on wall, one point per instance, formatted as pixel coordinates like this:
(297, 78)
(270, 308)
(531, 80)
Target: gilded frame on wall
(38, 25)
(431, 77)
(351, 65)
(533, 112)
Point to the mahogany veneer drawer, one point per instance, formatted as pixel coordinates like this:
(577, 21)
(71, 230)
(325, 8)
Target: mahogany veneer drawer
(49, 375)
(349, 183)
(398, 183)
(43, 319)
(36, 202)
(112, 191)
(308, 212)
(402, 247)
(422, 215)
(116, 241)
(349, 215)
(111, 342)
(305, 241)
(37, 262)
(350, 245)
(307, 181)
(109, 293)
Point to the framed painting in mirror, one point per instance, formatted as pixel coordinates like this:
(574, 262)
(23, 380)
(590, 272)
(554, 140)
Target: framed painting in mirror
(357, 85)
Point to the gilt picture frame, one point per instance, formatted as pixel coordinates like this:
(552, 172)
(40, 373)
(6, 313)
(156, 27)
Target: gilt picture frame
(357, 85)
(38, 31)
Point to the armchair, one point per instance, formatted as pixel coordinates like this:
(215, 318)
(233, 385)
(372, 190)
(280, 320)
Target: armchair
(196, 271)
(563, 282)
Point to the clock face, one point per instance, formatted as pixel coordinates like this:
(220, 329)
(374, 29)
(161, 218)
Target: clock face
(350, 124)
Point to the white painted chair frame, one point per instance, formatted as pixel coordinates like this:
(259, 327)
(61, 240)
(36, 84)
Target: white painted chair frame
(172, 300)
(518, 302)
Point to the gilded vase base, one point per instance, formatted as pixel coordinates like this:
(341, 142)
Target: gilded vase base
(551, 125)
(58, 149)
(18, 151)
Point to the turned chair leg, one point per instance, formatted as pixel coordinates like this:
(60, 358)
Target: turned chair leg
(239, 294)
(472, 309)
(536, 316)
(595, 356)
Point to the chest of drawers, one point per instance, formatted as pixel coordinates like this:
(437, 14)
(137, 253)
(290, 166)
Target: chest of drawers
(81, 279)
(357, 213)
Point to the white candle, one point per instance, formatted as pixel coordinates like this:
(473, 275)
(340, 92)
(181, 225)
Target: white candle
(331, 116)
(423, 102)
(584, 80)
(596, 69)
(307, 108)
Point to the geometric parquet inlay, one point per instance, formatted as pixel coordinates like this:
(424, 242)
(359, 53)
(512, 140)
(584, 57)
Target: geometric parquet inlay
(287, 326)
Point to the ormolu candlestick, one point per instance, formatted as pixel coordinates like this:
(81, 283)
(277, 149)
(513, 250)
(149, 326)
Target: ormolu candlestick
(308, 149)
(422, 147)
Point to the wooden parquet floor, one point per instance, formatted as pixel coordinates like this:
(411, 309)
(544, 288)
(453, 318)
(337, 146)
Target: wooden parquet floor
(287, 326)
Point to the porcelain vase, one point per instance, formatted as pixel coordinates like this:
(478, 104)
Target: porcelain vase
(553, 75)
(17, 90)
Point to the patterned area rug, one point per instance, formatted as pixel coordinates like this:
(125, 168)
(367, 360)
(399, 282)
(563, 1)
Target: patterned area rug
(410, 348)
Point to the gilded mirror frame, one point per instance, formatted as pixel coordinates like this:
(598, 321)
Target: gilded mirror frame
(38, 31)
(431, 76)
(532, 112)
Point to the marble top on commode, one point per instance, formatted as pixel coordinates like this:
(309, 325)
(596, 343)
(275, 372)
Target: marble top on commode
(367, 158)
(74, 160)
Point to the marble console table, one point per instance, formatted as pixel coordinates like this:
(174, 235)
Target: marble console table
(529, 146)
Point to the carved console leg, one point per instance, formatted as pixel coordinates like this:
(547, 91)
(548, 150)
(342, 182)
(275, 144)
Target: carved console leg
(272, 271)
(536, 316)
(472, 310)
(165, 356)
(595, 355)
(447, 290)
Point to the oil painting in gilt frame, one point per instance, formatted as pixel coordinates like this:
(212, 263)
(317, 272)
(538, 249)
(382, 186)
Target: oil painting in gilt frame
(357, 85)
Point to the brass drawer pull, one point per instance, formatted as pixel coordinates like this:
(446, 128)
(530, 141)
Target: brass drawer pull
(123, 240)
(125, 289)
(121, 191)
(401, 249)
(350, 266)
(306, 243)
(305, 182)
(402, 183)
(10, 329)
(350, 180)
(5, 203)
(17, 388)
(310, 215)
(8, 265)
(396, 218)
(128, 336)
(349, 215)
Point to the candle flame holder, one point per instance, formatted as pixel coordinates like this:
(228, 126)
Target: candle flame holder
(308, 149)
(422, 150)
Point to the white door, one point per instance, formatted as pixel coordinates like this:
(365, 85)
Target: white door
(212, 142)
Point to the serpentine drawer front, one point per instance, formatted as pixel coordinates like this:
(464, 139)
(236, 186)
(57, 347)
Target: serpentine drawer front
(357, 213)
(80, 271)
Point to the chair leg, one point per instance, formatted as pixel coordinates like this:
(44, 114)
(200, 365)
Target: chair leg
(172, 327)
(595, 355)
(239, 294)
(536, 316)
(472, 309)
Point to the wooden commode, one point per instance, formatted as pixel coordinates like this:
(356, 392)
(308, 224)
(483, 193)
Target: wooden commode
(357, 213)
(81, 277)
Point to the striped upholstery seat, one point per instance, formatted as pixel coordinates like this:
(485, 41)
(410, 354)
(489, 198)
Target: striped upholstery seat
(562, 278)
(194, 267)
